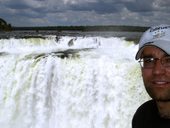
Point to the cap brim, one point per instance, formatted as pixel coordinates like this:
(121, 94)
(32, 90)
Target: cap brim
(162, 44)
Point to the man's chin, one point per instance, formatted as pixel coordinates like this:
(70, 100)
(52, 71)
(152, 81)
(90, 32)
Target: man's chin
(159, 95)
(161, 99)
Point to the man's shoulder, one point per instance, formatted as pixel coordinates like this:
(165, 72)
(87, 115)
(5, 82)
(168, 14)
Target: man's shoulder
(145, 115)
(147, 106)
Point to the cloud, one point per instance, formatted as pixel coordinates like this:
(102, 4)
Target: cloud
(98, 7)
(84, 12)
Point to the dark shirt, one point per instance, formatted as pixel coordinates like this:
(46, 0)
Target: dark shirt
(147, 116)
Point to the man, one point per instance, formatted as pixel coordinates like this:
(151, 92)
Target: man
(154, 58)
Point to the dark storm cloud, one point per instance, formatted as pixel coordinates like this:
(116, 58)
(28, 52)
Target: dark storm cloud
(140, 5)
(148, 6)
(16, 5)
(99, 7)
(116, 6)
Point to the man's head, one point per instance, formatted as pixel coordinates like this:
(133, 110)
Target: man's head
(158, 36)
(154, 55)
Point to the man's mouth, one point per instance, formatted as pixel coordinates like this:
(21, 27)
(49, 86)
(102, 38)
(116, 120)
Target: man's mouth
(161, 83)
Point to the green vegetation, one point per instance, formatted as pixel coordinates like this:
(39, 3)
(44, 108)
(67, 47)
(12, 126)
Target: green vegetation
(7, 27)
(4, 26)
(40, 31)
(86, 28)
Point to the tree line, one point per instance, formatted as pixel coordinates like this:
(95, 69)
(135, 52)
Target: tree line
(4, 26)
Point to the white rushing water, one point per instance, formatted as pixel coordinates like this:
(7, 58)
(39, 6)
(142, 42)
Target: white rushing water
(98, 87)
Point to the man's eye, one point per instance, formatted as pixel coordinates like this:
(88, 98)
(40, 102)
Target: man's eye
(148, 60)
(167, 60)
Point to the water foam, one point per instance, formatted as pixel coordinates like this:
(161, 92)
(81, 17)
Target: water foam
(97, 88)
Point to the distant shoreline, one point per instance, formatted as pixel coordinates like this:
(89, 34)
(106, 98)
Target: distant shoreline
(83, 28)
(130, 33)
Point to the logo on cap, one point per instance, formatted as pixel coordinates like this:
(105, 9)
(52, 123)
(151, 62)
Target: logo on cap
(158, 34)
(159, 31)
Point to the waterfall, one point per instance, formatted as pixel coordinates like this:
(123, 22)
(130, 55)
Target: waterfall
(69, 82)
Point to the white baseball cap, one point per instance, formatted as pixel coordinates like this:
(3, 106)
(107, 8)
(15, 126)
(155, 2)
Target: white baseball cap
(158, 36)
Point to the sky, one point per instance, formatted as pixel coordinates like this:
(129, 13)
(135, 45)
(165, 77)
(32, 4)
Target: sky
(85, 12)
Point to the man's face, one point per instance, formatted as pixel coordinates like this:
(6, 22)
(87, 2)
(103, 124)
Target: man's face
(157, 78)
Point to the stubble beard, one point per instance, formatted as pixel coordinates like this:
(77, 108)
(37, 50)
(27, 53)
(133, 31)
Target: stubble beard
(157, 96)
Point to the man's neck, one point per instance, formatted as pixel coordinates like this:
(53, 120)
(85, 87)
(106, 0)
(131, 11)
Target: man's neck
(164, 109)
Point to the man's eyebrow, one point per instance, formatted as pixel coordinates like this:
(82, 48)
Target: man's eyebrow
(147, 56)
(167, 55)
(151, 56)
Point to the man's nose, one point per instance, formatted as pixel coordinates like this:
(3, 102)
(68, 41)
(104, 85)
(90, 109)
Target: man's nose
(158, 68)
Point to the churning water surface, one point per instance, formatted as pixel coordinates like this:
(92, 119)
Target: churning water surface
(69, 82)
